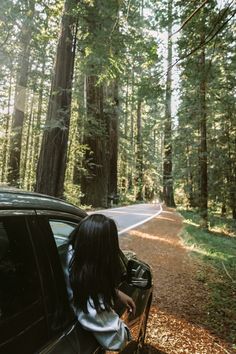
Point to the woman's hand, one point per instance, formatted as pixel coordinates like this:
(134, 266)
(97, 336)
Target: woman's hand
(127, 301)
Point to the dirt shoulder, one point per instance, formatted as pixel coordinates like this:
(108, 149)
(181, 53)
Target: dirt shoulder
(178, 317)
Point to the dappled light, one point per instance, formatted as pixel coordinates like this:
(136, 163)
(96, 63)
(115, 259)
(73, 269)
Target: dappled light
(182, 318)
(219, 231)
(174, 334)
(127, 108)
(200, 251)
(144, 235)
(161, 217)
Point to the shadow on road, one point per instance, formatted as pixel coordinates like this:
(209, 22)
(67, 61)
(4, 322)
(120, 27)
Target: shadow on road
(149, 349)
(183, 282)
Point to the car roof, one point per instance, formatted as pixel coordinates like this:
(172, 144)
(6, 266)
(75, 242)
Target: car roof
(13, 198)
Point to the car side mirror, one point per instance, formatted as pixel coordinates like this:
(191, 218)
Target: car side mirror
(139, 274)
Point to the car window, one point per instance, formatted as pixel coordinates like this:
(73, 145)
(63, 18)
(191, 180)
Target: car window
(21, 306)
(61, 230)
(17, 270)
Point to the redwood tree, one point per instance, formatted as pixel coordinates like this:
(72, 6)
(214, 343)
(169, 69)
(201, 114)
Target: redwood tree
(203, 201)
(52, 160)
(20, 95)
(168, 194)
(100, 138)
(94, 183)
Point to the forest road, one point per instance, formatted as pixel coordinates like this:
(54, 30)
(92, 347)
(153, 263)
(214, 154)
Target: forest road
(131, 216)
(178, 322)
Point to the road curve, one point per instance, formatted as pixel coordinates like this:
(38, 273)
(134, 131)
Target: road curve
(131, 216)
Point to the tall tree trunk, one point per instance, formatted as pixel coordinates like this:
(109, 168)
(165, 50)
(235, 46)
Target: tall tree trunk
(52, 160)
(102, 19)
(81, 102)
(28, 137)
(168, 194)
(124, 156)
(113, 141)
(7, 132)
(30, 162)
(203, 138)
(139, 161)
(20, 98)
(94, 183)
(37, 129)
(232, 167)
(189, 177)
(132, 147)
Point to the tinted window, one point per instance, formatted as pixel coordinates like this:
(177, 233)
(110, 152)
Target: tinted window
(18, 275)
(22, 313)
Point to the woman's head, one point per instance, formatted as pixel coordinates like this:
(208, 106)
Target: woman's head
(95, 265)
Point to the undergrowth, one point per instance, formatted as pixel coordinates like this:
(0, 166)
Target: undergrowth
(217, 247)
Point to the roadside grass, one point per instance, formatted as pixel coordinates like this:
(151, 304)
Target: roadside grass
(217, 247)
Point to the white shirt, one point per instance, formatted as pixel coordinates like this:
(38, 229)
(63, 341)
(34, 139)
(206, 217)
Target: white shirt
(109, 330)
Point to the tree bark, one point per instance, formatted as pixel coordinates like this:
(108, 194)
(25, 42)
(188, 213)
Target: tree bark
(232, 168)
(39, 115)
(81, 102)
(94, 183)
(100, 178)
(28, 146)
(52, 160)
(20, 99)
(113, 141)
(7, 134)
(132, 143)
(124, 155)
(203, 139)
(168, 193)
(139, 161)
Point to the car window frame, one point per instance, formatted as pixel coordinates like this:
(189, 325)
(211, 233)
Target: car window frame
(50, 248)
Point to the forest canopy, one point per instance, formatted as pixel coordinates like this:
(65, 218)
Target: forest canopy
(106, 100)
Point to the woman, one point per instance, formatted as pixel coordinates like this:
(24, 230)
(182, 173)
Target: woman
(94, 271)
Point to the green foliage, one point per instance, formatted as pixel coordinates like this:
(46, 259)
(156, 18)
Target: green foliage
(219, 251)
(220, 103)
(72, 193)
(121, 42)
(99, 39)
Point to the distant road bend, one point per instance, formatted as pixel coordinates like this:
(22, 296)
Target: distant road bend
(131, 216)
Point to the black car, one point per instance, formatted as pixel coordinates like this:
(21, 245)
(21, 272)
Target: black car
(35, 313)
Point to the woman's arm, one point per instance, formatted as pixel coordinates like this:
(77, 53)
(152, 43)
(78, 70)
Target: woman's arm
(109, 330)
(127, 301)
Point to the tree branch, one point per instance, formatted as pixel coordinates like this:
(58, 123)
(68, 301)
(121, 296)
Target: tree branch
(190, 17)
(203, 44)
(128, 8)
(5, 40)
(220, 17)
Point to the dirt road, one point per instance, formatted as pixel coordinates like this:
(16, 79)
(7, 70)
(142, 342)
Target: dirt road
(177, 322)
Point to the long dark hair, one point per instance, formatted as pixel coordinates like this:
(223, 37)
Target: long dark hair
(95, 265)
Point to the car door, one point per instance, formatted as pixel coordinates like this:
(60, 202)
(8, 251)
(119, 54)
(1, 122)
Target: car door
(140, 294)
(23, 324)
(61, 226)
(67, 335)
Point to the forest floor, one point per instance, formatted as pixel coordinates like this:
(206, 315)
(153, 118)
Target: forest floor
(178, 320)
